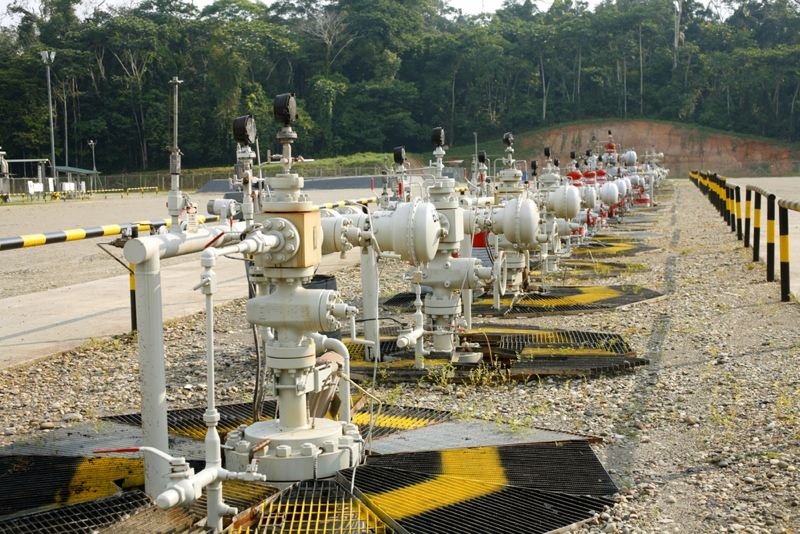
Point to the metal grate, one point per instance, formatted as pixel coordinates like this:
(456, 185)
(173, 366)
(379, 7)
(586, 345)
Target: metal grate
(79, 518)
(563, 300)
(31, 481)
(517, 488)
(585, 269)
(189, 422)
(619, 247)
(563, 466)
(528, 341)
(395, 419)
(313, 506)
(574, 366)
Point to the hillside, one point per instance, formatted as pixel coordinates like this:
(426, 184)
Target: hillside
(684, 146)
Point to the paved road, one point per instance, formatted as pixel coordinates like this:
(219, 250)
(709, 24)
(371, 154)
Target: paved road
(788, 188)
(38, 324)
(43, 323)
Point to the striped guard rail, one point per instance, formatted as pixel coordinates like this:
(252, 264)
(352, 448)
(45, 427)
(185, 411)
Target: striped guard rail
(76, 234)
(783, 231)
(338, 204)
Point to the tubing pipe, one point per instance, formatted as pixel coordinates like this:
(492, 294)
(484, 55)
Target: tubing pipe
(335, 345)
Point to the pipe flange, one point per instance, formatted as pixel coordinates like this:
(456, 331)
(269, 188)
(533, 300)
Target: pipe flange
(288, 237)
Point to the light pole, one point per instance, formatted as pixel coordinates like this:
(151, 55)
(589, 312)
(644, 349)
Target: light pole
(48, 56)
(92, 143)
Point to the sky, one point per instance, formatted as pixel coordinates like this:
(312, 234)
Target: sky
(471, 7)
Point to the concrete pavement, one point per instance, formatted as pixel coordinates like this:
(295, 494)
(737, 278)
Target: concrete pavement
(39, 324)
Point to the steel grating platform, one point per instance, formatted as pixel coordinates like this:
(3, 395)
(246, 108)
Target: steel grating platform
(606, 247)
(311, 506)
(537, 486)
(553, 301)
(564, 300)
(188, 422)
(529, 488)
(585, 269)
(518, 351)
(84, 518)
(70, 480)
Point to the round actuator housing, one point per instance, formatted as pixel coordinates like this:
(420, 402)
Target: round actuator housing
(518, 221)
(411, 230)
(609, 193)
(629, 158)
(565, 201)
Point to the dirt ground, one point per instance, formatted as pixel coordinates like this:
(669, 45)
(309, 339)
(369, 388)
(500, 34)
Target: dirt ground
(685, 147)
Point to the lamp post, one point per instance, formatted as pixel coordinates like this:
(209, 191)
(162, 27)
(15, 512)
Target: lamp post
(48, 56)
(92, 143)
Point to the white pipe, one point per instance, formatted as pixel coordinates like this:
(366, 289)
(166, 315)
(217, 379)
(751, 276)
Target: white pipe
(151, 370)
(370, 310)
(466, 298)
(145, 254)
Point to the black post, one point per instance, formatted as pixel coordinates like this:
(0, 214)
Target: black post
(771, 238)
(757, 227)
(783, 230)
(132, 283)
(747, 197)
(738, 199)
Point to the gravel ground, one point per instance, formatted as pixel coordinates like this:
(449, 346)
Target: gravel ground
(705, 439)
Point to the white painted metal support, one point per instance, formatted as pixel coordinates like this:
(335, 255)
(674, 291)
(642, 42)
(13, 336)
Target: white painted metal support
(151, 369)
(370, 290)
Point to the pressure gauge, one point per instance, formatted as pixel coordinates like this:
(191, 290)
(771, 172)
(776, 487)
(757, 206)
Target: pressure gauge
(284, 107)
(508, 139)
(244, 130)
(481, 157)
(399, 154)
(437, 136)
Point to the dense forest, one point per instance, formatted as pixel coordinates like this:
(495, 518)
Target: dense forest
(371, 74)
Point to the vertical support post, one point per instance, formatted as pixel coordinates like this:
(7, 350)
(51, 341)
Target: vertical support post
(731, 210)
(738, 200)
(152, 372)
(783, 230)
(370, 308)
(747, 199)
(757, 227)
(132, 282)
(771, 238)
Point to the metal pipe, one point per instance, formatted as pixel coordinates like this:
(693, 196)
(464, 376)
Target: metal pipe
(151, 369)
(145, 254)
(335, 345)
(53, 170)
(370, 309)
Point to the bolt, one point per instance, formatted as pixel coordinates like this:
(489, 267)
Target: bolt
(290, 235)
(290, 248)
(281, 225)
(267, 224)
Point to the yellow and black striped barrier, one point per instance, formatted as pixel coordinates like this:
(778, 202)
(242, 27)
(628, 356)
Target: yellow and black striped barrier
(738, 202)
(770, 238)
(783, 229)
(748, 194)
(77, 234)
(341, 203)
